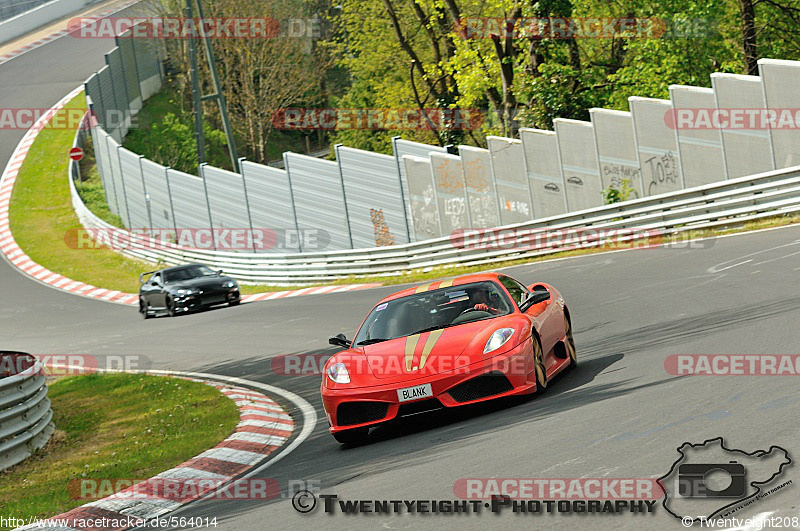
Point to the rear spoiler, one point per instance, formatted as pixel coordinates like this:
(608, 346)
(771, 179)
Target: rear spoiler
(141, 277)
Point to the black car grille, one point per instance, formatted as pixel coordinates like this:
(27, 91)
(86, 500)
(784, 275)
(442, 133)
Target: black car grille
(350, 413)
(420, 406)
(213, 297)
(489, 384)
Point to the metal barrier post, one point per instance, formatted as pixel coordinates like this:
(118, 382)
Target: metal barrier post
(202, 173)
(247, 202)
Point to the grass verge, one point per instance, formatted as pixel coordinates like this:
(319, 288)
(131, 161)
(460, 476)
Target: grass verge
(90, 188)
(42, 218)
(105, 430)
(42, 215)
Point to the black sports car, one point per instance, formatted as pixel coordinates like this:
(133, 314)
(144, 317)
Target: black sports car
(185, 288)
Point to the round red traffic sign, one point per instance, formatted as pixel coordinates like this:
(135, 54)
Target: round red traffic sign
(76, 153)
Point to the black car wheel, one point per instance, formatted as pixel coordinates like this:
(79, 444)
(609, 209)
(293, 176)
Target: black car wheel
(234, 303)
(354, 436)
(538, 361)
(170, 307)
(570, 343)
(143, 309)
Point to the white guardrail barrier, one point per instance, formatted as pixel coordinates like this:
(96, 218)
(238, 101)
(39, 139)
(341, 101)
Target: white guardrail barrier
(726, 203)
(26, 419)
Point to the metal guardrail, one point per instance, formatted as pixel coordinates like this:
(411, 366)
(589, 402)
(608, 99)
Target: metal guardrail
(26, 418)
(726, 203)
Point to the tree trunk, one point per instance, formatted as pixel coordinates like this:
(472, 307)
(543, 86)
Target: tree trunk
(750, 54)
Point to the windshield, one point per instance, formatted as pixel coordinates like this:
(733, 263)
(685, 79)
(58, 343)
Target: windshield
(432, 310)
(188, 273)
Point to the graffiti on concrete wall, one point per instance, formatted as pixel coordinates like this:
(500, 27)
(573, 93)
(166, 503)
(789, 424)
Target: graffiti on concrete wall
(662, 173)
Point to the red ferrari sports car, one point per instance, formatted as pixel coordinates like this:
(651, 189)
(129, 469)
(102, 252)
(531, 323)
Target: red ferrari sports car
(445, 344)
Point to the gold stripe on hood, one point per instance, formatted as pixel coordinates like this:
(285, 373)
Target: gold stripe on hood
(411, 347)
(423, 288)
(429, 344)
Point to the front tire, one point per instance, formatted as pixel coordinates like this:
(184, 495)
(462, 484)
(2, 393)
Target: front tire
(569, 343)
(539, 366)
(354, 436)
(170, 307)
(234, 303)
(143, 309)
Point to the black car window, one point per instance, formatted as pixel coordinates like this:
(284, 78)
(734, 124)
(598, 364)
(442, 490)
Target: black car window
(515, 289)
(431, 310)
(188, 273)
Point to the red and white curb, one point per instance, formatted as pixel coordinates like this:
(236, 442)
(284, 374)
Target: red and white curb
(58, 34)
(23, 262)
(306, 291)
(263, 428)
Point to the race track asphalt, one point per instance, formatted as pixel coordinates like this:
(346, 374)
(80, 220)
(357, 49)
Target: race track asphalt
(620, 415)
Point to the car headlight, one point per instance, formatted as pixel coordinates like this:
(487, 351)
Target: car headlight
(230, 284)
(184, 292)
(499, 338)
(338, 373)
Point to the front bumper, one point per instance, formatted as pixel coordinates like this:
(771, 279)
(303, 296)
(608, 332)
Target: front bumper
(506, 374)
(193, 302)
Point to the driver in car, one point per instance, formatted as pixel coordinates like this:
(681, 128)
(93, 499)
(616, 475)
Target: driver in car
(480, 300)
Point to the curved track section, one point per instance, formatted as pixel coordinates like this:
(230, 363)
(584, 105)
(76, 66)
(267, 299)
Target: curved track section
(620, 415)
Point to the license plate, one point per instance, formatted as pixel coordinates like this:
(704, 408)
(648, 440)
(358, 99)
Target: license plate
(412, 393)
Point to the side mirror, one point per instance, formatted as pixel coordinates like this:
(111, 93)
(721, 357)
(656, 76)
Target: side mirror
(340, 341)
(219, 272)
(534, 297)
